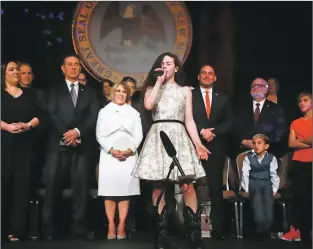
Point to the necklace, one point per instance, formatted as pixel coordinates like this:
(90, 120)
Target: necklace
(15, 94)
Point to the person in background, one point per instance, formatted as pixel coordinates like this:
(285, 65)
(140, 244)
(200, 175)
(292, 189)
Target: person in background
(137, 102)
(131, 83)
(119, 134)
(106, 92)
(289, 111)
(26, 81)
(26, 75)
(300, 140)
(273, 88)
(19, 118)
(82, 79)
(260, 180)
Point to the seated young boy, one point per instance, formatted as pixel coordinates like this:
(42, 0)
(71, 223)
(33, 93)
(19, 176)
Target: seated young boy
(260, 180)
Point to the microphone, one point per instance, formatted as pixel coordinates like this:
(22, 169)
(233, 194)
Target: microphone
(158, 73)
(171, 152)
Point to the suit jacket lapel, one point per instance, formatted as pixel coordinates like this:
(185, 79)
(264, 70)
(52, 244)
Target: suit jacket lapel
(200, 103)
(80, 98)
(66, 96)
(214, 103)
(264, 111)
(251, 112)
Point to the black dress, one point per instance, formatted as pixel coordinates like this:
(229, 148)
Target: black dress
(17, 154)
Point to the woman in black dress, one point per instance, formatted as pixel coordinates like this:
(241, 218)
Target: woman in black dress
(19, 117)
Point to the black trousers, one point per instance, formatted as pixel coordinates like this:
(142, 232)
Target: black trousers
(214, 167)
(15, 187)
(72, 169)
(301, 215)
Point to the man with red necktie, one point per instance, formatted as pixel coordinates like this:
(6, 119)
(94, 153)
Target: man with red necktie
(213, 116)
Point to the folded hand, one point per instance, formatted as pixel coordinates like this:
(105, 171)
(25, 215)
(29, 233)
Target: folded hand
(70, 136)
(118, 155)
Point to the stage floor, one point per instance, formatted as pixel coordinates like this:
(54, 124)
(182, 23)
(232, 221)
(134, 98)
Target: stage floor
(141, 242)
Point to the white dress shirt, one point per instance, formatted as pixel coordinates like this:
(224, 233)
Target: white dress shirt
(76, 87)
(203, 91)
(261, 105)
(273, 172)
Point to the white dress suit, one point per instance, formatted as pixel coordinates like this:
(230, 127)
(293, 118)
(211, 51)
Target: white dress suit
(118, 127)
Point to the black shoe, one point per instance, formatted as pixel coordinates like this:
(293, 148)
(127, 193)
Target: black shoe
(193, 226)
(47, 238)
(91, 235)
(47, 233)
(79, 236)
(217, 236)
(262, 233)
(162, 224)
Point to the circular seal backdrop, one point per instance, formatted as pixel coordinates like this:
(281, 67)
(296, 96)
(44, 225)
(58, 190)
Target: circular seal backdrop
(117, 39)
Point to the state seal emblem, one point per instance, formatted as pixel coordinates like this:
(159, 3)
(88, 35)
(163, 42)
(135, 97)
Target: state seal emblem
(115, 39)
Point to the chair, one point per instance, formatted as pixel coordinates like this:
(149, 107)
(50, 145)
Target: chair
(243, 196)
(229, 194)
(280, 196)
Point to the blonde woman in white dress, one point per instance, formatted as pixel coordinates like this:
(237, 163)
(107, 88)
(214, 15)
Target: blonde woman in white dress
(119, 133)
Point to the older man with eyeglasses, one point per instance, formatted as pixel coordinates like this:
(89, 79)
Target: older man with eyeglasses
(258, 116)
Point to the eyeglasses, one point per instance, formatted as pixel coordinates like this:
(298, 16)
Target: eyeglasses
(259, 86)
(81, 79)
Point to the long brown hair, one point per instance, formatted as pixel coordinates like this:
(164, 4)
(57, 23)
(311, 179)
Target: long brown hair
(4, 67)
(179, 77)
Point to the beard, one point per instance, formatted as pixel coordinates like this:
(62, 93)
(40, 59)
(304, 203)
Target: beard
(258, 95)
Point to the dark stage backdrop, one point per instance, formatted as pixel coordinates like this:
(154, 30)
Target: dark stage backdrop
(242, 40)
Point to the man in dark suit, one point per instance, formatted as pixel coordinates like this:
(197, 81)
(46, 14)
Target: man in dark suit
(259, 116)
(213, 116)
(26, 81)
(73, 111)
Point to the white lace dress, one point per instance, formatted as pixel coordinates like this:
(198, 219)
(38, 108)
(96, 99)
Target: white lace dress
(153, 162)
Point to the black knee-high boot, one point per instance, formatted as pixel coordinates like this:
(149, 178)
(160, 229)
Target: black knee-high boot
(162, 225)
(193, 224)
